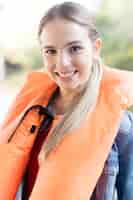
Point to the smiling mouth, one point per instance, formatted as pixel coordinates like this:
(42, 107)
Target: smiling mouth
(66, 75)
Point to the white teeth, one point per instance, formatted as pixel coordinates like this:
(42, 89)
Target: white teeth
(67, 74)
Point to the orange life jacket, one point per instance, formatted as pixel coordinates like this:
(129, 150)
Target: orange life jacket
(72, 169)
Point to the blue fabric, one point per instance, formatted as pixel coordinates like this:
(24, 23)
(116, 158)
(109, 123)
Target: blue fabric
(20, 192)
(117, 174)
(118, 170)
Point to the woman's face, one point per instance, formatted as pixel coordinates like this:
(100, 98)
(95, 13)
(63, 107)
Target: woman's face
(68, 53)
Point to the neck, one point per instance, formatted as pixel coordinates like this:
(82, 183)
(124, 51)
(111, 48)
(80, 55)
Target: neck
(69, 95)
(65, 100)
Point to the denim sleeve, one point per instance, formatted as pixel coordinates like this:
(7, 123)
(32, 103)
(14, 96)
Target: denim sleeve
(105, 188)
(124, 141)
(118, 168)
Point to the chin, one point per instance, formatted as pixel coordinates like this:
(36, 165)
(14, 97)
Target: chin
(71, 87)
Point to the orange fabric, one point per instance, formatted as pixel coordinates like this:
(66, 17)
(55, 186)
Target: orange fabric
(15, 154)
(73, 168)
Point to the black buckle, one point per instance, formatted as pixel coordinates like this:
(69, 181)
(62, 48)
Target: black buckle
(46, 111)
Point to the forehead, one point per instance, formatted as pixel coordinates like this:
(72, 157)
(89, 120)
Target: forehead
(58, 32)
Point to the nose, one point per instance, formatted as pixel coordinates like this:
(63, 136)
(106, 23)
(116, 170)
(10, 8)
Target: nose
(63, 62)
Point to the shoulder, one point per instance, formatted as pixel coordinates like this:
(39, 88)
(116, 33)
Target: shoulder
(126, 122)
(38, 76)
(118, 84)
(114, 77)
(39, 81)
(124, 138)
(37, 86)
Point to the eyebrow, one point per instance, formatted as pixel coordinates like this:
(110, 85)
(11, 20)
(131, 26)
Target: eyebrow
(67, 44)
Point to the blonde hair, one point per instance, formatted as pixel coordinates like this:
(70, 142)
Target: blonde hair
(73, 118)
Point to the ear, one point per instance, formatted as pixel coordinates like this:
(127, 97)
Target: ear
(97, 47)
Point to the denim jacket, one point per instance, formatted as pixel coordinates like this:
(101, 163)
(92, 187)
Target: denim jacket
(117, 174)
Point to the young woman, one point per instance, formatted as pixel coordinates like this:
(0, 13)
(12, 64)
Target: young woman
(60, 129)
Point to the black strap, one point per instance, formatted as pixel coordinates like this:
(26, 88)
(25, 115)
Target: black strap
(48, 111)
(42, 133)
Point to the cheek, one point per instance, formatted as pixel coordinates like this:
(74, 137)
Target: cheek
(83, 64)
(48, 64)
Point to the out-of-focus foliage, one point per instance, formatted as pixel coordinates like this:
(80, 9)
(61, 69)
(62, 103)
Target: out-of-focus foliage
(34, 59)
(114, 26)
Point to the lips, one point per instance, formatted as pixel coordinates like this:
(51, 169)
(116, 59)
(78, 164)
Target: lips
(66, 75)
